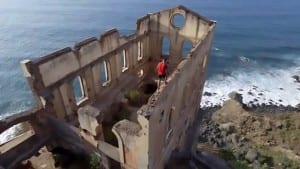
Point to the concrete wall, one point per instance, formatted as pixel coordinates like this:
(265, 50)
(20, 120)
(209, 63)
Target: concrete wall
(162, 25)
(108, 66)
(172, 109)
(53, 75)
(171, 118)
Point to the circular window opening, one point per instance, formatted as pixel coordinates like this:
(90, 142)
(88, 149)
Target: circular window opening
(178, 20)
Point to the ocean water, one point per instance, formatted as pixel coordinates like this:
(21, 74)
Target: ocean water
(256, 48)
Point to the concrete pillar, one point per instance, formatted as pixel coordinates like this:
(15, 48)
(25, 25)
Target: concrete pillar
(117, 61)
(131, 55)
(112, 68)
(96, 77)
(58, 104)
(126, 133)
(34, 79)
(88, 83)
(90, 119)
(69, 100)
(146, 51)
(133, 142)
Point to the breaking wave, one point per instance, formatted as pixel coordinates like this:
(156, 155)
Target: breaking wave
(268, 86)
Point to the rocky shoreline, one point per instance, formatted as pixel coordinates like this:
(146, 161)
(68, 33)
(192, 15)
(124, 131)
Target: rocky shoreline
(258, 97)
(259, 137)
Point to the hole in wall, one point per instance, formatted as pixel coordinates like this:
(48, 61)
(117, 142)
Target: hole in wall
(186, 48)
(161, 116)
(78, 88)
(140, 50)
(140, 73)
(108, 135)
(166, 45)
(149, 88)
(104, 73)
(178, 20)
(123, 61)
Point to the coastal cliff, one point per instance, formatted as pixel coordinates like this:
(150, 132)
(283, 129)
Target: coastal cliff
(260, 137)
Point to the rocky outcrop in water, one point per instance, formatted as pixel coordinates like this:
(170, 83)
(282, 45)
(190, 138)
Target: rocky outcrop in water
(297, 78)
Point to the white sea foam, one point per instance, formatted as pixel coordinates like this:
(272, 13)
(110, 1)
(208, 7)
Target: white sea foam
(216, 49)
(244, 59)
(10, 133)
(273, 86)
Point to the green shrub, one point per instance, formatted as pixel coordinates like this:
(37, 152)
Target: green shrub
(133, 96)
(234, 163)
(95, 161)
(275, 159)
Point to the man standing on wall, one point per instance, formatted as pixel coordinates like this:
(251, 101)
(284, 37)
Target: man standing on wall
(162, 71)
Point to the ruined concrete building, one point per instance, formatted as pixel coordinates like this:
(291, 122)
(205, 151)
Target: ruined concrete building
(118, 109)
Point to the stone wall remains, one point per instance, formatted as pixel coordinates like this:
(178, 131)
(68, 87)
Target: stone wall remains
(104, 69)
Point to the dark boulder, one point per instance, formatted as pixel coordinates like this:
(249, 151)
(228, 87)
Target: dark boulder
(298, 107)
(207, 94)
(236, 96)
(297, 78)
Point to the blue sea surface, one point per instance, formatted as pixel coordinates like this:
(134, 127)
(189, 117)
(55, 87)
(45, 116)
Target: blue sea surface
(253, 39)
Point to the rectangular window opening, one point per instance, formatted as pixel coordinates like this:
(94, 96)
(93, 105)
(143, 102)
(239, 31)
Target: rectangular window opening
(78, 89)
(140, 51)
(104, 73)
(124, 62)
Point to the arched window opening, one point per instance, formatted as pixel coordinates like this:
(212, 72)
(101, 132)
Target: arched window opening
(186, 48)
(104, 73)
(140, 50)
(166, 46)
(78, 90)
(123, 61)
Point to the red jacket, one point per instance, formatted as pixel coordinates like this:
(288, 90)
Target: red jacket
(161, 68)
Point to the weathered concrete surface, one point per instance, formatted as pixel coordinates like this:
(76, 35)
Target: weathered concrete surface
(110, 150)
(88, 119)
(107, 68)
(46, 130)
